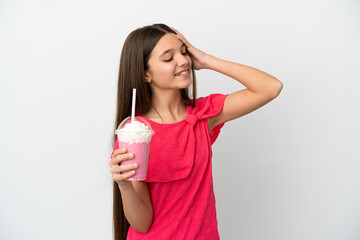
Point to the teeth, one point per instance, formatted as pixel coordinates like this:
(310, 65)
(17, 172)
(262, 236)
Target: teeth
(183, 73)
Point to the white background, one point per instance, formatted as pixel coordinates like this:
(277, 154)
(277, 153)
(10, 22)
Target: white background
(288, 171)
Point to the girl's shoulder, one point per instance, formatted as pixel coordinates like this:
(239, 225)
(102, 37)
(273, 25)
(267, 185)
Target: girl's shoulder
(208, 106)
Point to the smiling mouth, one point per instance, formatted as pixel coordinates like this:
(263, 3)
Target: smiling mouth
(185, 72)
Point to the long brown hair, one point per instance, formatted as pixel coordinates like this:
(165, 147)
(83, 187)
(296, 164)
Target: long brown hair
(133, 64)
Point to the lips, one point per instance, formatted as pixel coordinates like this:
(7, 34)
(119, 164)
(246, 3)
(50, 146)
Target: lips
(183, 72)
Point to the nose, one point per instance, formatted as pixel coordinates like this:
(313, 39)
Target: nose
(183, 60)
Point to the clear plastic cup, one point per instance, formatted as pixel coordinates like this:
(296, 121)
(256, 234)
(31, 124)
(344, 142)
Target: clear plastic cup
(136, 137)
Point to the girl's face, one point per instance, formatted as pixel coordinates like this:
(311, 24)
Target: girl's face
(169, 64)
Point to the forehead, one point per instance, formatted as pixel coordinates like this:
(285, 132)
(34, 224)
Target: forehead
(168, 41)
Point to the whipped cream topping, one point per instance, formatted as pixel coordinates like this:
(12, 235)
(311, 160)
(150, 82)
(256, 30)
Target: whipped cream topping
(135, 132)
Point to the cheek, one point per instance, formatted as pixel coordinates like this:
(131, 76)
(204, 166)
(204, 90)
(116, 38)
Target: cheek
(165, 69)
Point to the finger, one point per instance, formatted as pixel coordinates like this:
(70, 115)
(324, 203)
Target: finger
(118, 151)
(121, 177)
(122, 168)
(177, 32)
(121, 157)
(181, 37)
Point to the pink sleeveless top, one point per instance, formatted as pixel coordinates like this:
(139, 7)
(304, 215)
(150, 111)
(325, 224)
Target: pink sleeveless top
(180, 176)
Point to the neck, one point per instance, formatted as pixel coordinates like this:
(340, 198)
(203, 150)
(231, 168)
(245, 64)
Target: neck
(168, 105)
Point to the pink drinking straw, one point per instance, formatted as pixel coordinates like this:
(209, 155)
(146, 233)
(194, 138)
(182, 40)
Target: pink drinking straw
(133, 105)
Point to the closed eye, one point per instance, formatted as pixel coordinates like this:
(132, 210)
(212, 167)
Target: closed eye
(183, 53)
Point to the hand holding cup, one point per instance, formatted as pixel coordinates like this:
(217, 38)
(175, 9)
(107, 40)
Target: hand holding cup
(117, 169)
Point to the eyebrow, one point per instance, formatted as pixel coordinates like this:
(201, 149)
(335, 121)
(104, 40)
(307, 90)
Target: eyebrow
(170, 50)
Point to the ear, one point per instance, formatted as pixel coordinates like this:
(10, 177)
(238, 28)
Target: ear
(147, 77)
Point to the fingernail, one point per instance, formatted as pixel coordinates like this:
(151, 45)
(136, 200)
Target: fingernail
(131, 155)
(123, 150)
(135, 165)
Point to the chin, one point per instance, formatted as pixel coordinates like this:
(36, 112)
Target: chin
(186, 84)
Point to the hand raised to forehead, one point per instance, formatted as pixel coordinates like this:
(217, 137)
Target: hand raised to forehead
(198, 57)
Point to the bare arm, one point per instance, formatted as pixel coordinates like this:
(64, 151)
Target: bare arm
(261, 88)
(137, 206)
(135, 195)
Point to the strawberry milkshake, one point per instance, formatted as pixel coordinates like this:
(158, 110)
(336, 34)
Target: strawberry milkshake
(135, 136)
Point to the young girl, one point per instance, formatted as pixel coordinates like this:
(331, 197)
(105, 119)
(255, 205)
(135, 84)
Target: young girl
(176, 201)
